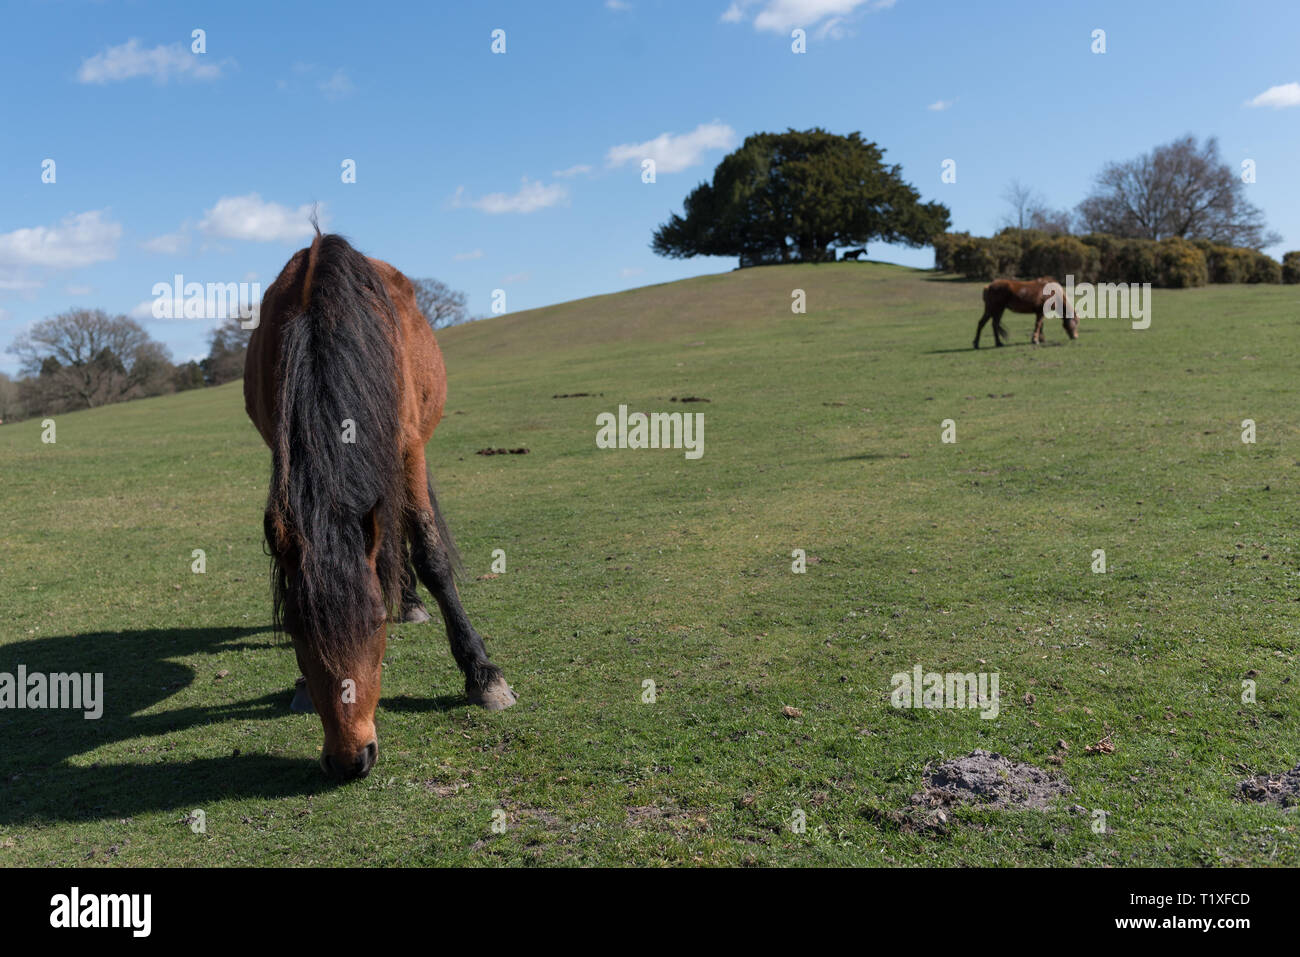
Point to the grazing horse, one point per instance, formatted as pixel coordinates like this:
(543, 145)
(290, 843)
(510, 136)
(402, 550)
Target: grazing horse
(345, 382)
(1029, 296)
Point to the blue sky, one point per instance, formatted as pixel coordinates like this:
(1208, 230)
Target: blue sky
(519, 171)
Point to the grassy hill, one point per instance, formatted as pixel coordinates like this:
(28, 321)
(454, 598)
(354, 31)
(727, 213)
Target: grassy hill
(822, 433)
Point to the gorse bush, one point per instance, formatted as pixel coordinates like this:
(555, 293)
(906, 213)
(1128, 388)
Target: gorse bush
(1182, 264)
(1138, 260)
(1291, 267)
(1172, 262)
(975, 258)
(1265, 269)
(1226, 263)
(1061, 256)
(944, 244)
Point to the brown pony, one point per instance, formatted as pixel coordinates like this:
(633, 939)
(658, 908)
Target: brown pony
(345, 383)
(1029, 296)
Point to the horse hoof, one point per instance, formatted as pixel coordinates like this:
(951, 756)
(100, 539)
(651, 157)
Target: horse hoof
(414, 615)
(497, 696)
(301, 703)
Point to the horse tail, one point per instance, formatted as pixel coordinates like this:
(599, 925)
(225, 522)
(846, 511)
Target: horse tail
(337, 496)
(444, 534)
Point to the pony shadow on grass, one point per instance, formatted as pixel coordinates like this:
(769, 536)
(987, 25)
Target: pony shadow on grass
(48, 769)
(405, 703)
(864, 457)
(967, 348)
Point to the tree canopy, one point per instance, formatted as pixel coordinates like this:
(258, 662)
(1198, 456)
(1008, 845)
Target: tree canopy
(1179, 189)
(799, 195)
(85, 358)
(441, 305)
(227, 347)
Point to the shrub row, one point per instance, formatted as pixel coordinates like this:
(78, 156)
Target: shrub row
(1169, 263)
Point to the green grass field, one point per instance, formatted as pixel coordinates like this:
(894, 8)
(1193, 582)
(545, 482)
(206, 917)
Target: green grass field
(822, 433)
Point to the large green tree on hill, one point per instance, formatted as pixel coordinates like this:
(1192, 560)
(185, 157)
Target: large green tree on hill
(799, 195)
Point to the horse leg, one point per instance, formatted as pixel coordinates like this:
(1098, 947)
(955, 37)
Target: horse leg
(413, 610)
(980, 328)
(1038, 327)
(999, 331)
(1071, 324)
(431, 554)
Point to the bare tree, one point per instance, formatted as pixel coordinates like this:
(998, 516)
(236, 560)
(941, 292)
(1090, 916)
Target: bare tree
(85, 358)
(1021, 200)
(1057, 222)
(1179, 189)
(1028, 210)
(441, 305)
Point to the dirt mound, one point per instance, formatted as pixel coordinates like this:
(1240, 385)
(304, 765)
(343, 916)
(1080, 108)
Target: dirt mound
(988, 780)
(1282, 789)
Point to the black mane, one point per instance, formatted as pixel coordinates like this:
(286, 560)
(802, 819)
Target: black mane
(337, 363)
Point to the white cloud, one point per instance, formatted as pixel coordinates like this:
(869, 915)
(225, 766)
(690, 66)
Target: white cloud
(462, 257)
(252, 218)
(78, 289)
(161, 63)
(630, 271)
(1278, 97)
(834, 28)
(15, 280)
(169, 244)
(79, 240)
(825, 17)
(20, 285)
(337, 85)
(531, 197)
(617, 5)
(572, 171)
(673, 153)
(940, 105)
